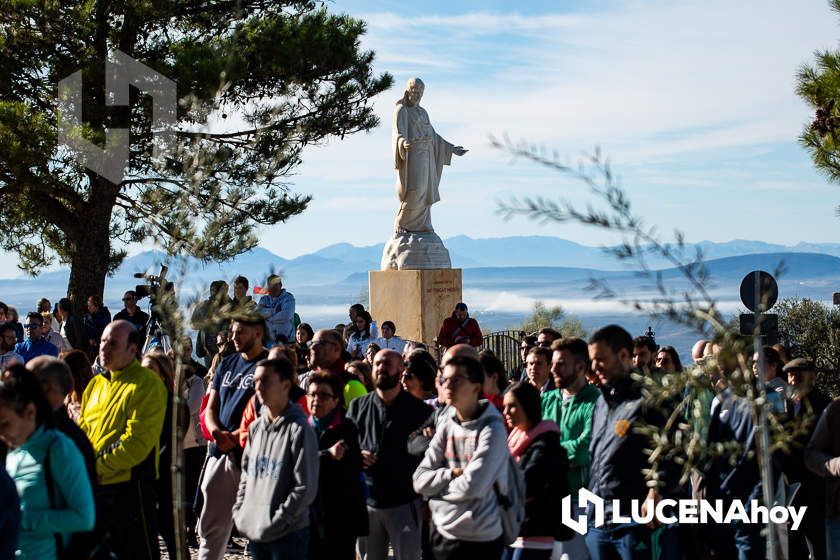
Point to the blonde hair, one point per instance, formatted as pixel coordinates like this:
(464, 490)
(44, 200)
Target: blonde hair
(164, 365)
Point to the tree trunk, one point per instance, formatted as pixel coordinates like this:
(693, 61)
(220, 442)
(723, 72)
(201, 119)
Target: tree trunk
(91, 250)
(88, 268)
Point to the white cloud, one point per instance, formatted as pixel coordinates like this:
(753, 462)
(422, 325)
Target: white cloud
(682, 95)
(692, 95)
(622, 76)
(482, 301)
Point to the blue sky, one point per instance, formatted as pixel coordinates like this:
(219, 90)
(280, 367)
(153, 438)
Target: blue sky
(693, 101)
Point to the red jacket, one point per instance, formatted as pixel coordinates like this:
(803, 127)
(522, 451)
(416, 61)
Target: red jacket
(452, 332)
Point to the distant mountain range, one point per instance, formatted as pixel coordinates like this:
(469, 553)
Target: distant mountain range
(535, 267)
(467, 252)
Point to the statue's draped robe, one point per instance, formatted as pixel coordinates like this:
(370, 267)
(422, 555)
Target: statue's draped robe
(419, 168)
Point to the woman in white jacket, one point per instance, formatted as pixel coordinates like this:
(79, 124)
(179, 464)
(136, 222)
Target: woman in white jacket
(361, 337)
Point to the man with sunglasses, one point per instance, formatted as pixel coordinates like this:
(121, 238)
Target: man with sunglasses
(133, 314)
(547, 336)
(34, 344)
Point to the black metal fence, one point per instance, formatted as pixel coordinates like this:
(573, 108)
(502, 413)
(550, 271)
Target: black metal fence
(505, 344)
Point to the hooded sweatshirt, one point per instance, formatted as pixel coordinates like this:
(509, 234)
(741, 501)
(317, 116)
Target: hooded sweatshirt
(279, 476)
(465, 508)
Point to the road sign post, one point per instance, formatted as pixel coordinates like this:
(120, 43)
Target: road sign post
(759, 293)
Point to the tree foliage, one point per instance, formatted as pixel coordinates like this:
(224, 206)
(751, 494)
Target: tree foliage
(681, 441)
(811, 329)
(555, 318)
(273, 77)
(818, 84)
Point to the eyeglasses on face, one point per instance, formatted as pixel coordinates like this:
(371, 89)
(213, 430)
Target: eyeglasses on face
(322, 395)
(455, 380)
(32, 326)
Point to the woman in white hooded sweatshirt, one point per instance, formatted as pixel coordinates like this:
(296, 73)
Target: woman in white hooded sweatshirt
(465, 458)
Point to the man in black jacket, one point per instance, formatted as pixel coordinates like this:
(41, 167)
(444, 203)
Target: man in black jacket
(733, 474)
(94, 323)
(133, 314)
(806, 406)
(617, 451)
(385, 418)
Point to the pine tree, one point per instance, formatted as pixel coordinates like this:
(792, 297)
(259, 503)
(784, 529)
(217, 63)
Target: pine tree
(279, 75)
(819, 85)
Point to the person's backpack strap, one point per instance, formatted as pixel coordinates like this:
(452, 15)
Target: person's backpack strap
(457, 332)
(48, 478)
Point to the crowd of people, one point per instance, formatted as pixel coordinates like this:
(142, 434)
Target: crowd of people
(351, 442)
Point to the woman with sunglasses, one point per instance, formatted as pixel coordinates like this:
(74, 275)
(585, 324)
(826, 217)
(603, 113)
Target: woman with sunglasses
(48, 470)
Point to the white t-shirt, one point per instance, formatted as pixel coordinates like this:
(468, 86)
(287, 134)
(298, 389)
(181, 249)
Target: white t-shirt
(393, 343)
(361, 343)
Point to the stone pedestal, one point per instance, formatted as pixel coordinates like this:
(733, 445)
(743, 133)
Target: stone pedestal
(417, 301)
(415, 250)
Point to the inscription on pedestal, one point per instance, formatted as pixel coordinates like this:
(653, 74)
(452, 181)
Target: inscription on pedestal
(416, 300)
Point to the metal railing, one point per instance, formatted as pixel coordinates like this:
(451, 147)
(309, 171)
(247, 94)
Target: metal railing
(505, 345)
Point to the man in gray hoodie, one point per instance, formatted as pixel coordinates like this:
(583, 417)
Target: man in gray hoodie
(467, 455)
(279, 470)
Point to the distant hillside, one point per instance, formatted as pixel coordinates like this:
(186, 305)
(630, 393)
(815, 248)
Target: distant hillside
(541, 251)
(531, 265)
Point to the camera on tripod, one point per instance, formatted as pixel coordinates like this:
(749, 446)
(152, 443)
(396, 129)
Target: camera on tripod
(155, 284)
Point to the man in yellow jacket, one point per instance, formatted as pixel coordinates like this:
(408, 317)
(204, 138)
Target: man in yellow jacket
(122, 414)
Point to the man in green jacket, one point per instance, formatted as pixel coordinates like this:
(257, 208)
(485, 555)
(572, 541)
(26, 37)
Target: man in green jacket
(570, 406)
